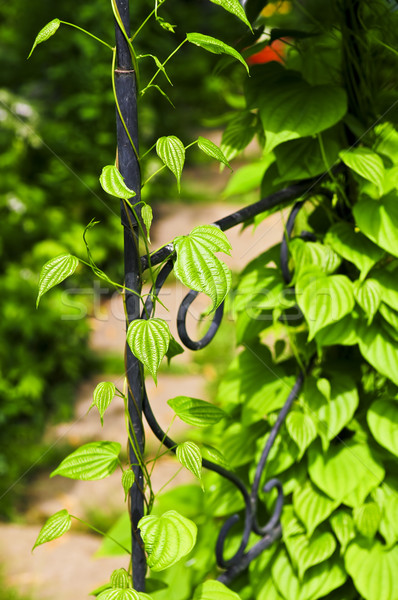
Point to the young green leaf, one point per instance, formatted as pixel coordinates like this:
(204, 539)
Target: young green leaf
(95, 460)
(112, 183)
(343, 527)
(305, 552)
(312, 506)
(382, 419)
(45, 33)
(367, 519)
(167, 538)
(325, 300)
(54, 271)
(172, 152)
(196, 265)
(196, 412)
(365, 163)
(373, 569)
(128, 479)
(54, 527)
(190, 457)
(302, 429)
(120, 579)
(378, 220)
(103, 396)
(234, 7)
(211, 149)
(214, 590)
(368, 295)
(119, 594)
(215, 46)
(147, 216)
(380, 350)
(149, 341)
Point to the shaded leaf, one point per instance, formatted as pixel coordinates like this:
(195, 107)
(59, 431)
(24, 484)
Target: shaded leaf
(95, 460)
(343, 527)
(382, 419)
(238, 134)
(196, 412)
(149, 341)
(367, 519)
(378, 220)
(366, 163)
(54, 272)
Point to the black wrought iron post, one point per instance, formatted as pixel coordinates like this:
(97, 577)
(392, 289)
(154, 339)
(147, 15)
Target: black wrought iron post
(126, 93)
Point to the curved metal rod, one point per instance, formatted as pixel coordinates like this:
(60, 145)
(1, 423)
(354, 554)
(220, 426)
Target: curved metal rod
(264, 456)
(182, 327)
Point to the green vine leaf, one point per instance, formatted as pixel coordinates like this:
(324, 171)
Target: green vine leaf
(379, 350)
(387, 500)
(211, 149)
(382, 419)
(172, 152)
(365, 163)
(103, 396)
(45, 33)
(238, 134)
(313, 254)
(306, 552)
(367, 519)
(128, 479)
(354, 246)
(312, 506)
(343, 526)
(54, 527)
(215, 46)
(368, 295)
(147, 216)
(325, 300)
(301, 429)
(167, 538)
(196, 412)
(190, 456)
(54, 272)
(196, 265)
(214, 455)
(95, 460)
(112, 183)
(149, 341)
(378, 220)
(373, 569)
(120, 579)
(234, 7)
(119, 594)
(214, 590)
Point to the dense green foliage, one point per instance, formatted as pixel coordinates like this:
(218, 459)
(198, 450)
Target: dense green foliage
(327, 311)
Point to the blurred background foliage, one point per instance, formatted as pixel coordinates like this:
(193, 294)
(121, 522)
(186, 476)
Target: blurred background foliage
(57, 131)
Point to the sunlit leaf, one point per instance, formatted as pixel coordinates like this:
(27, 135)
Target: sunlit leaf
(167, 538)
(366, 163)
(343, 526)
(373, 569)
(234, 7)
(149, 341)
(382, 419)
(305, 552)
(368, 294)
(112, 183)
(103, 396)
(216, 46)
(147, 216)
(54, 527)
(171, 151)
(211, 149)
(54, 272)
(189, 455)
(196, 412)
(312, 506)
(306, 254)
(119, 594)
(379, 350)
(45, 33)
(95, 460)
(301, 429)
(367, 519)
(378, 220)
(128, 479)
(214, 590)
(238, 134)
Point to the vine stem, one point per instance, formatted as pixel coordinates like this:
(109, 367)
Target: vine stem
(87, 33)
(101, 533)
(163, 64)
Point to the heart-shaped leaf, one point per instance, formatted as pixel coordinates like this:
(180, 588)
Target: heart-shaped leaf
(366, 163)
(378, 220)
(215, 46)
(325, 300)
(167, 538)
(171, 151)
(103, 396)
(379, 350)
(367, 519)
(54, 527)
(312, 506)
(234, 7)
(306, 552)
(314, 254)
(112, 183)
(190, 457)
(196, 412)
(214, 590)
(345, 468)
(382, 419)
(95, 460)
(196, 265)
(387, 500)
(54, 271)
(238, 134)
(128, 479)
(45, 33)
(388, 283)
(353, 246)
(210, 148)
(301, 429)
(368, 296)
(373, 569)
(343, 527)
(149, 341)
